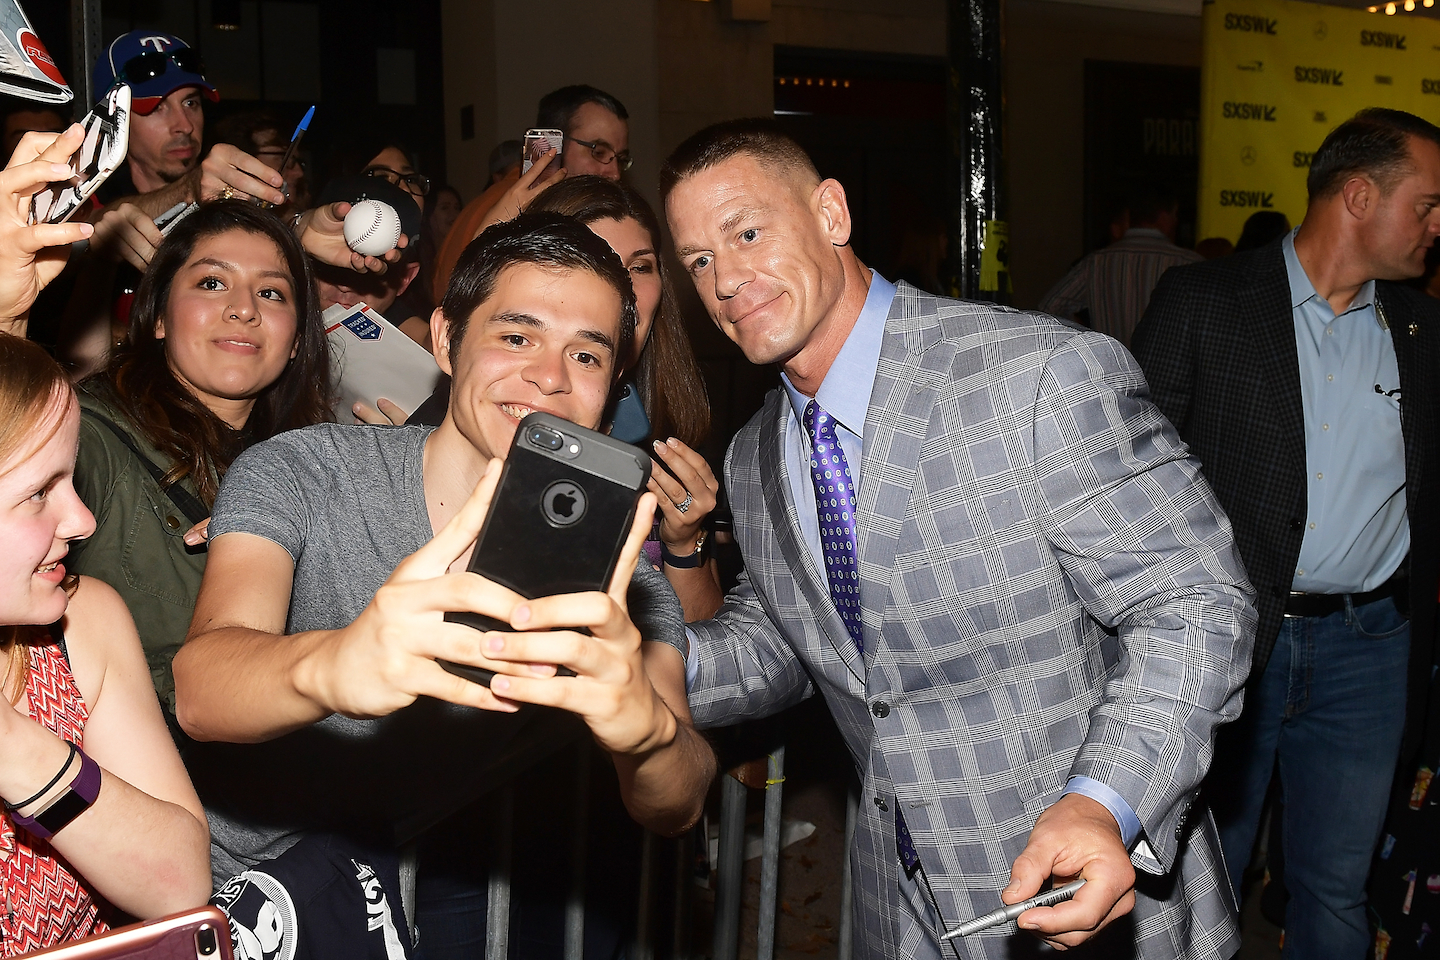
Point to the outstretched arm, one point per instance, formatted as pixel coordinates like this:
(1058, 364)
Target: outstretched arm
(1150, 553)
(225, 168)
(241, 678)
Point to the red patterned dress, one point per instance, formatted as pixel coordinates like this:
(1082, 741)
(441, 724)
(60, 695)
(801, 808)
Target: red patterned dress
(43, 902)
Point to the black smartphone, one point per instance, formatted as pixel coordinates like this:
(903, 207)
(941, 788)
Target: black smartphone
(559, 519)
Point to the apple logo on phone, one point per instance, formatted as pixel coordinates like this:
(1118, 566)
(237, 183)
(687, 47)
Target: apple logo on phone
(563, 503)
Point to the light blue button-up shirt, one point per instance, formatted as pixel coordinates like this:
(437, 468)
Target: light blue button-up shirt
(1356, 533)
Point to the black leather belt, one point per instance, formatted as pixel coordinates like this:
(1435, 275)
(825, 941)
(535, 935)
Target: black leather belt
(1324, 604)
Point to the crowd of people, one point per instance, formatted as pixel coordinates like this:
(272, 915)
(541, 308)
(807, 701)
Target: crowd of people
(1070, 608)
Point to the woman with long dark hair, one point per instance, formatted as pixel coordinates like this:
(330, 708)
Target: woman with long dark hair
(225, 348)
(100, 820)
(662, 397)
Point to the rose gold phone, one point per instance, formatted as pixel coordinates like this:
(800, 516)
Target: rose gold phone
(199, 934)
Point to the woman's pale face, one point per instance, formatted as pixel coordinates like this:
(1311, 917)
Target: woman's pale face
(40, 513)
(230, 324)
(637, 251)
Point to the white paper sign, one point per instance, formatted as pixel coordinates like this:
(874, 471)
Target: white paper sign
(372, 359)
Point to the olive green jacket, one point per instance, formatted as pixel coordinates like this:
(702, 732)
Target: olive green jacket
(138, 546)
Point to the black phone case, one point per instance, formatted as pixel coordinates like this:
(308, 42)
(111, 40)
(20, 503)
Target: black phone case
(559, 518)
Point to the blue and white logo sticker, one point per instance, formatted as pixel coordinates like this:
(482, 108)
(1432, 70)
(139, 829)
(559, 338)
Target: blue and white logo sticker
(362, 326)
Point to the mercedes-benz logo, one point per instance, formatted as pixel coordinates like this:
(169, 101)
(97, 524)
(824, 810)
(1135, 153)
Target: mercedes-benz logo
(1247, 155)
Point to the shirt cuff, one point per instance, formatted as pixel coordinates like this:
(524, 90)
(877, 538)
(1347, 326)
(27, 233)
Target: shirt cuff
(692, 662)
(1110, 800)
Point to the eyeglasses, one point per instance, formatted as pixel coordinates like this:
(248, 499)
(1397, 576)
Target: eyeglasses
(271, 157)
(604, 153)
(412, 183)
(148, 66)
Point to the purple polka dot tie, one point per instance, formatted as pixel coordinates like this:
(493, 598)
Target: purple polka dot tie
(835, 509)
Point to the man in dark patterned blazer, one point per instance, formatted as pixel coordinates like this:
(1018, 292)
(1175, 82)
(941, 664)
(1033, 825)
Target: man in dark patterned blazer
(969, 531)
(1304, 379)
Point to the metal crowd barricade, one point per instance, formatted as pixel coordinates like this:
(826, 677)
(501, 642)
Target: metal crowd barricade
(730, 868)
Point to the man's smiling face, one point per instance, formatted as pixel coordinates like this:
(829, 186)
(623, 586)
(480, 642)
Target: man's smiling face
(755, 243)
(544, 340)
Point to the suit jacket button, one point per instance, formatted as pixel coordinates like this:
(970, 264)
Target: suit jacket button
(880, 708)
(880, 802)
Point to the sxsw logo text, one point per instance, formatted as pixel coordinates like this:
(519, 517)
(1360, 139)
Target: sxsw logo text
(1302, 158)
(1325, 75)
(1247, 198)
(1430, 86)
(1250, 24)
(1233, 110)
(1375, 38)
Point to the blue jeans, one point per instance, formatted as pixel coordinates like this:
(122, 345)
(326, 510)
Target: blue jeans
(1331, 706)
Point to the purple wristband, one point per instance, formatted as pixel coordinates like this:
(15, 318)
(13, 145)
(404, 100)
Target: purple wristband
(83, 791)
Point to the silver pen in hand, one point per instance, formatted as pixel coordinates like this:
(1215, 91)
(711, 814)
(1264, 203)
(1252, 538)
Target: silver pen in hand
(1006, 914)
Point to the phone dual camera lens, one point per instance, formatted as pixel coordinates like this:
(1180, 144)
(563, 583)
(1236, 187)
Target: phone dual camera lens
(546, 438)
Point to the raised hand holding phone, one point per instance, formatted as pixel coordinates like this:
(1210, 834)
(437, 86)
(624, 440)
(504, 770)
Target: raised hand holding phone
(33, 254)
(559, 520)
(104, 142)
(538, 176)
(610, 688)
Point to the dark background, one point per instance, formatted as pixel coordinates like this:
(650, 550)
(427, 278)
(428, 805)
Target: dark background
(1142, 122)
(346, 56)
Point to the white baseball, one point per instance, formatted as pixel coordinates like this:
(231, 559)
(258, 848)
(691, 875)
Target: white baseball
(372, 228)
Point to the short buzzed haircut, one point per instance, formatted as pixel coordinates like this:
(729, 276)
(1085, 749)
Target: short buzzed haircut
(557, 108)
(1375, 142)
(548, 240)
(757, 137)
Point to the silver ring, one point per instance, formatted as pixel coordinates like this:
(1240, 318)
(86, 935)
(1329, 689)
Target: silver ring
(684, 505)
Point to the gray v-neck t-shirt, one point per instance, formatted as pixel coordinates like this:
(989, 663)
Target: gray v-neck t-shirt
(348, 504)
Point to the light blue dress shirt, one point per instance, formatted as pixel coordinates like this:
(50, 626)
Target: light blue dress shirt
(845, 395)
(1356, 532)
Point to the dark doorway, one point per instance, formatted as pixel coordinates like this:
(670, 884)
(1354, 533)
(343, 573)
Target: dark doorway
(876, 123)
(1142, 122)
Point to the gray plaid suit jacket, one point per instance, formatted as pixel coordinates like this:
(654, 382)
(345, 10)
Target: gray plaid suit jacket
(1049, 589)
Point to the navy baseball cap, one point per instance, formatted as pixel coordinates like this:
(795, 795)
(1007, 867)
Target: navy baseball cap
(155, 65)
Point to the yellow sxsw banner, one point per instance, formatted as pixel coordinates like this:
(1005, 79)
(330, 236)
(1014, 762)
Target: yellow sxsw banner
(1279, 75)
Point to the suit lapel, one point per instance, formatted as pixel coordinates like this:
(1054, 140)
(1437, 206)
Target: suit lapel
(1266, 312)
(895, 425)
(785, 522)
(1413, 357)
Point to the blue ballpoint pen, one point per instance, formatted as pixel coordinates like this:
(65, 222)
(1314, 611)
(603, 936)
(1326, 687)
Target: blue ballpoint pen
(295, 142)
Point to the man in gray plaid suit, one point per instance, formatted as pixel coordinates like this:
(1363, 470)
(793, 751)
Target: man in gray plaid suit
(969, 530)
